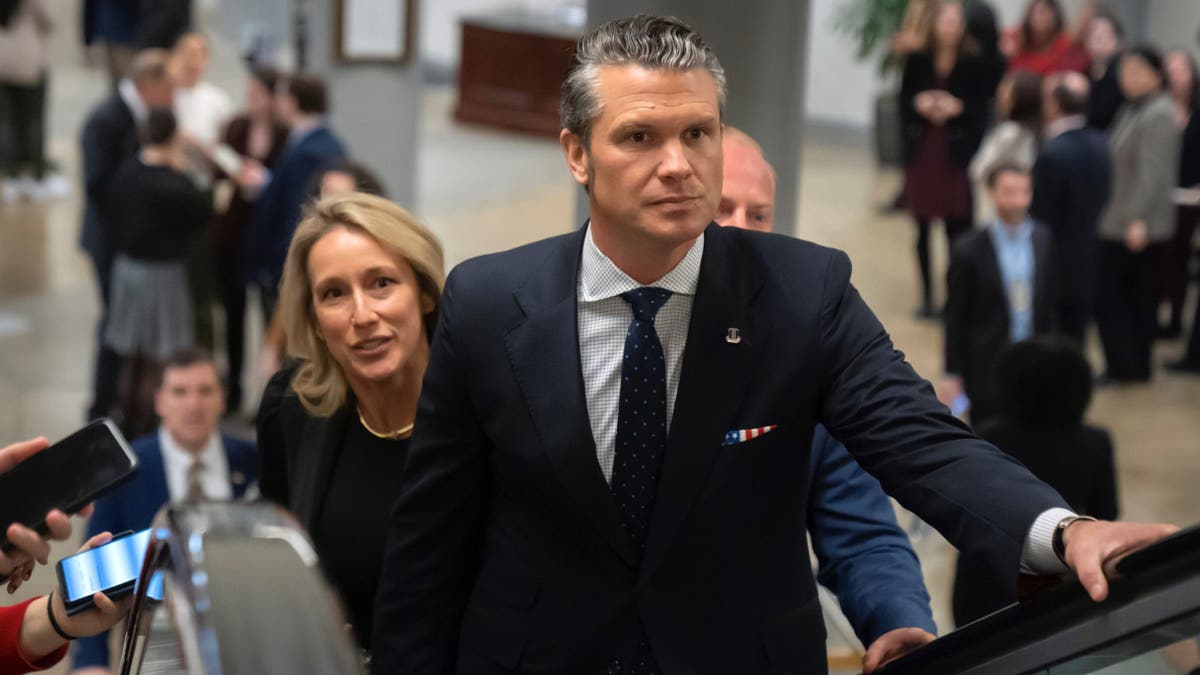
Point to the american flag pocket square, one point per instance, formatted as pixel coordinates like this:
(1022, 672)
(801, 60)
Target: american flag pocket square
(743, 435)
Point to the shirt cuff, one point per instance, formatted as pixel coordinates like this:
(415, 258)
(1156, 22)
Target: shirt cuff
(1037, 556)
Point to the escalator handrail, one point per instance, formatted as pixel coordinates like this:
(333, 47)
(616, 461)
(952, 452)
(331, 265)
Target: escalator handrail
(1167, 571)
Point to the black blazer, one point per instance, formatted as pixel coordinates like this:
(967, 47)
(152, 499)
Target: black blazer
(976, 317)
(967, 82)
(110, 136)
(1071, 182)
(1078, 462)
(506, 550)
(298, 451)
(1189, 154)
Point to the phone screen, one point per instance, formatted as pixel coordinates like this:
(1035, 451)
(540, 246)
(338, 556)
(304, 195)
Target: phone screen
(111, 566)
(66, 476)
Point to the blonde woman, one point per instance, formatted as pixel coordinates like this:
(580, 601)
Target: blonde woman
(358, 302)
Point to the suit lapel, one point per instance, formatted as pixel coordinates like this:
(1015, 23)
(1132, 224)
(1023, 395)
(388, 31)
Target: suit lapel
(544, 352)
(316, 457)
(712, 384)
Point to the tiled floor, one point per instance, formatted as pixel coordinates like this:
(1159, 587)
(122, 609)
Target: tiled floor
(484, 191)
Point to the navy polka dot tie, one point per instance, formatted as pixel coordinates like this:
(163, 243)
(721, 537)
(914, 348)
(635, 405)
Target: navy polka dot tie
(641, 432)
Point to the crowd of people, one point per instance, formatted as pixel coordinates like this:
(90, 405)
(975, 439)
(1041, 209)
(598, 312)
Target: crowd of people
(594, 421)
(1106, 132)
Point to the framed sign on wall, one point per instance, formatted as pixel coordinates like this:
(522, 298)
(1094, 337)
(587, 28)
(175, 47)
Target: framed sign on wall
(373, 31)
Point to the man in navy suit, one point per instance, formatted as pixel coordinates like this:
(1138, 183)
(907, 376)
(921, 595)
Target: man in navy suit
(188, 459)
(610, 463)
(301, 103)
(1071, 182)
(110, 136)
(864, 557)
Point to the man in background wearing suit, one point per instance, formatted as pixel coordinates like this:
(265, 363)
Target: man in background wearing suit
(301, 103)
(611, 457)
(863, 556)
(1070, 189)
(110, 136)
(187, 460)
(999, 290)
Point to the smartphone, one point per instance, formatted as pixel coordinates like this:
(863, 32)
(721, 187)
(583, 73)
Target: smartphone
(66, 476)
(112, 569)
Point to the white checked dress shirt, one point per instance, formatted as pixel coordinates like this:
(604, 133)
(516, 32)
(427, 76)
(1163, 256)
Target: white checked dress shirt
(604, 318)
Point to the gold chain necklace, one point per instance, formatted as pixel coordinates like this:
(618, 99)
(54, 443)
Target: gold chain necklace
(389, 435)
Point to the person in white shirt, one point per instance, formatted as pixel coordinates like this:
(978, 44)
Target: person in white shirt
(202, 107)
(188, 459)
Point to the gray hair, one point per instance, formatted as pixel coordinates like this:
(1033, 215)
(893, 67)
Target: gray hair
(652, 42)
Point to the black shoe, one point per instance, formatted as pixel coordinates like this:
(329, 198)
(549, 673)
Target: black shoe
(1183, 366)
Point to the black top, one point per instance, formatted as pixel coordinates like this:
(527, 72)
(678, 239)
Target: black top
(1106, 98)
(353, 523)
(155, 210)
(1189, 156)
(967, 81)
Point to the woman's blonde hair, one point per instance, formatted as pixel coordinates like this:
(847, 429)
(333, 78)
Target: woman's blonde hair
(319, 381)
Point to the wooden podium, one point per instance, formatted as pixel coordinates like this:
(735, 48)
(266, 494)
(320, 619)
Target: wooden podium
(512, 68)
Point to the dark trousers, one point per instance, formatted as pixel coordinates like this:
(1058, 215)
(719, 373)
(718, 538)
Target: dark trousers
(23, 125)
(1074, 315)
(955, 228)
(1180, 257)
(227, 265)
(108, 362)
(202, 287)
(1192, 355)
(1125, 311)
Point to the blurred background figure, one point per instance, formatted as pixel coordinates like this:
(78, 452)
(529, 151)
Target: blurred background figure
(156, 211)
(1042, 44)
(1140, 218)
(1183, 82)
(25, 30)
(186, 459)
(942, 103)
(1045, 387)
(1071, 183)
(114, 25)
(160, 23)
(1016, 138)
(359, 303)
(1103, 37)
(110, 137)
(202, 110)
(301, 104)
(999, 291)
(344, 176)
(748, 192)
(255, 133)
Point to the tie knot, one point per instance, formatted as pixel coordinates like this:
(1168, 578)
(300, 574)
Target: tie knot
(646, 301)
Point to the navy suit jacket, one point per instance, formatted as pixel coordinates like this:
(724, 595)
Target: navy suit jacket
(278, 209)
(1071, 185)
(506, 550)
(133, 506)
(864, 557)
(110, 137)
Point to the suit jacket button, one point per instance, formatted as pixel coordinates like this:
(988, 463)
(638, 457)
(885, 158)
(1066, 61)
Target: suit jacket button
(614, 668)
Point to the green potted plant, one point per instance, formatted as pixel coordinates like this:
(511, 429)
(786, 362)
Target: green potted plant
(871, 24)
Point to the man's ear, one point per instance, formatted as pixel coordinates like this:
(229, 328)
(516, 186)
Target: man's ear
(577, 157)
(427, 303)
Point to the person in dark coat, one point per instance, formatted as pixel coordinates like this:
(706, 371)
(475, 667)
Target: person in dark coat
(1103, 41)
(1071, 183)
(110, 136)
(1183, 81)
(1000, 290)
(943, 105)
(1045, 389)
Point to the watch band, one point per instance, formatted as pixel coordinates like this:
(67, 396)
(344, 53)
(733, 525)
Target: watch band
(1060, 546)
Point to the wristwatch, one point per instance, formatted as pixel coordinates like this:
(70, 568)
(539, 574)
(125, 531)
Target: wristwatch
(1060, 547)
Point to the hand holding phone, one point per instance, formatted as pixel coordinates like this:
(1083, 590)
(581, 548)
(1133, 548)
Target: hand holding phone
(43, 486)
(27, 546)
(108, 570)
